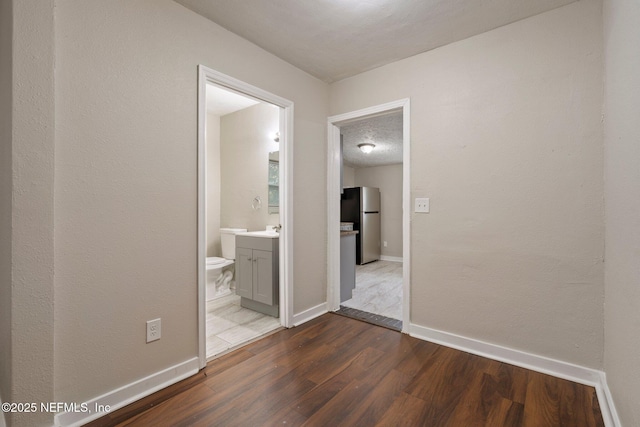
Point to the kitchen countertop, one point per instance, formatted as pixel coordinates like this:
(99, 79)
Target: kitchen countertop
(349, 233)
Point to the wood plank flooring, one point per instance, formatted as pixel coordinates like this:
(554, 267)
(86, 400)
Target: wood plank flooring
(336, 371)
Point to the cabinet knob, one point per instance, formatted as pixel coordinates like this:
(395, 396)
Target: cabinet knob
(250, 259)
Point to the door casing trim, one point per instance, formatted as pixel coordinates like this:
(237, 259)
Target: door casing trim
(208, 75)
(333, 201)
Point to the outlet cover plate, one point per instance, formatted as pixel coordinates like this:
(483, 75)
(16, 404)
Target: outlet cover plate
(154, 330)
(422, 205)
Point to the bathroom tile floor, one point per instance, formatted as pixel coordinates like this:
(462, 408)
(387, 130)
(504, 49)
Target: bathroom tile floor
(229, 325)
(378, 289)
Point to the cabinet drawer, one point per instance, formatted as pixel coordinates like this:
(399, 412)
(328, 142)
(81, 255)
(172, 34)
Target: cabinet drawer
(259, 243)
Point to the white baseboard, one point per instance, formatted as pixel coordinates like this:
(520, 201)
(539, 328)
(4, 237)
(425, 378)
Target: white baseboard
(391, 258)
(137, 390)
(605, 400)
(545, 365)
(129, 393)
(309, 314)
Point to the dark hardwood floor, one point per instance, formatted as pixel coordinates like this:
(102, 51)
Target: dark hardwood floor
(338, 371)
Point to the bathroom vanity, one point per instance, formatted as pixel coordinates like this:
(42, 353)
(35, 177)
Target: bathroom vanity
(257, 271)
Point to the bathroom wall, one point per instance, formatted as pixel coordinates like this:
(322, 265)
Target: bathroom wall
(389, 180)
(246, 138)
(213, 185)
(506, 140)
(622, 187)
(126, 185)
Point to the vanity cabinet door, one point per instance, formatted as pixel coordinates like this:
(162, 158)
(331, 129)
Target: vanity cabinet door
(263, 277)
(257, 274)
(244, 272)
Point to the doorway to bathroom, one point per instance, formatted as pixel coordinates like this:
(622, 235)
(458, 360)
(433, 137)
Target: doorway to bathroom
(245, 213)
(368, 192)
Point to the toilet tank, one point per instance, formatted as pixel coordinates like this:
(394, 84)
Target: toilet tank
(228, 241)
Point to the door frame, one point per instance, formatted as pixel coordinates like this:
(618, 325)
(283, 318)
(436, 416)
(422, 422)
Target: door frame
(208, 75)
(333, 201)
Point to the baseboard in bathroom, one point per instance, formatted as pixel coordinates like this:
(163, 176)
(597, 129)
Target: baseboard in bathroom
(221, 295)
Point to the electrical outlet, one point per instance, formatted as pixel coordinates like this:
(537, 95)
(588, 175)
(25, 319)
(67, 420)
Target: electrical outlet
(422, 205)
(154, 330)
(385, 243)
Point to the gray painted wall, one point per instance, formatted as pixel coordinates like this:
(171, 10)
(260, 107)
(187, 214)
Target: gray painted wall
(126, 183)
(348, 177)
(213, 185)
(32, 218)
(389, 180)
(508, 146)
(245, 143)
(6, 168)
(622, 187)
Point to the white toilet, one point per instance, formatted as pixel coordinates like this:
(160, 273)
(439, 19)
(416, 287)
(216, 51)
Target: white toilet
(220, 270)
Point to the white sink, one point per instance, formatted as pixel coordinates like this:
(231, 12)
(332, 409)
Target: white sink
(265, 234)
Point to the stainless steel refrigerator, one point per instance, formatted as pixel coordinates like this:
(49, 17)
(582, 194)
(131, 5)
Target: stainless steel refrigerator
(361, 205)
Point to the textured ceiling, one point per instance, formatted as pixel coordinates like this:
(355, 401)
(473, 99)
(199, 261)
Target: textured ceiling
(383, 131)
(335, 39)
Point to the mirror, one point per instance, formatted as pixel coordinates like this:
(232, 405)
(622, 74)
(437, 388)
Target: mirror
(274, 182)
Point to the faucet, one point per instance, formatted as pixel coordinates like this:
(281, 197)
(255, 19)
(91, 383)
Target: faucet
(277, 228)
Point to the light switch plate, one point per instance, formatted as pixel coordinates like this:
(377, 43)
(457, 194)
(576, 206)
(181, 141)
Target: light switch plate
(422, 205)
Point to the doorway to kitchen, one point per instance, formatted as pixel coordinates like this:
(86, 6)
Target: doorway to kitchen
(245, 211)
(371, 195)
